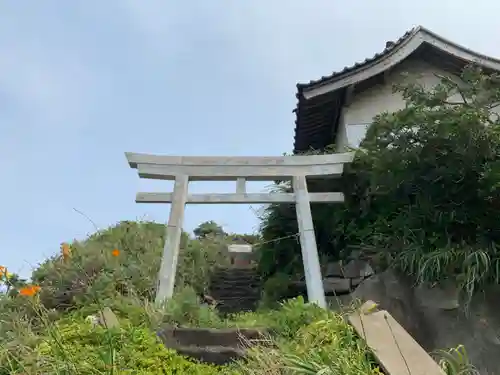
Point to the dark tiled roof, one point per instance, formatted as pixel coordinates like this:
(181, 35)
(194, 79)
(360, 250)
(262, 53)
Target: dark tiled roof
(317, 117)
(389, 46)
(313, 114)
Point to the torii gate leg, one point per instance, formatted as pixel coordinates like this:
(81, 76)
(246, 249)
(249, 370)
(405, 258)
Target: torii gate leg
(312, 269)
(168, 268)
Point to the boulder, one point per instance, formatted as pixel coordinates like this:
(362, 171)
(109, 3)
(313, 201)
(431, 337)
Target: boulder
(336, 285)
(437, 319)
(215, 346)
(354, 269)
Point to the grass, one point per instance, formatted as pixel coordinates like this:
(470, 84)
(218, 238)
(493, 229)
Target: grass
(44, 330)
(302, 338)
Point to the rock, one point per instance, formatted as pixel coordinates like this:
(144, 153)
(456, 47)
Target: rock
(229, 337)
(357, 268)
(334, 285)
(216, 346)
(434, 316)
(333, 270)
(108, 319)
(356, 281)
(352, 270)
(442, 297)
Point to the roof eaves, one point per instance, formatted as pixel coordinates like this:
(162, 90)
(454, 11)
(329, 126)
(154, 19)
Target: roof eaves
(478, 56)
(390, 47)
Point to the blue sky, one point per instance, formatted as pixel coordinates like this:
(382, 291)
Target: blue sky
(81, 82)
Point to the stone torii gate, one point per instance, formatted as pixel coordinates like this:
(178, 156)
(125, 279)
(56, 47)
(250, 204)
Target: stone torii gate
(183, 169)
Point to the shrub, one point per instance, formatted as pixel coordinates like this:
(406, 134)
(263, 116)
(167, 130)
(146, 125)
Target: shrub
(276, 289)
(124, 260)
(422, 192)
(307, 340)
(75, 347)
(329, 346)
(185, 309)
(289, 318)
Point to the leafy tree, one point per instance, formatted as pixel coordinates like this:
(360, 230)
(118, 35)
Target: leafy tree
(250, 239)
(208, 228)
(423, 191)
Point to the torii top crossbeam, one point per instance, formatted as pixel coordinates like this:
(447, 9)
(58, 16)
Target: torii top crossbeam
(225, 168)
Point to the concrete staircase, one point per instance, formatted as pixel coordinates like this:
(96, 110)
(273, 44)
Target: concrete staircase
(236, 289)
(215, 346)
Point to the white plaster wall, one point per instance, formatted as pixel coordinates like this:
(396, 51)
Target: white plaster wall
(366, 105)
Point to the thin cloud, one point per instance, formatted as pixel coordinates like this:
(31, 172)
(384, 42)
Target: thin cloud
(303, 39)
(50, 85)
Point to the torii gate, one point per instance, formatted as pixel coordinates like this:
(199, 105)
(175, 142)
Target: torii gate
(183, 169)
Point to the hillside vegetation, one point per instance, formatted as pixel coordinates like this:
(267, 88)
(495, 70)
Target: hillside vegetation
(44, 330)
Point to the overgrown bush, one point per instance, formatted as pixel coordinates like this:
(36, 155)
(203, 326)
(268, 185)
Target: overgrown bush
(122, 260)
(73, 346)
(276, 289)
(116, 268)
(422, 193)
(39, 336)
(307, 340)
(285, 320)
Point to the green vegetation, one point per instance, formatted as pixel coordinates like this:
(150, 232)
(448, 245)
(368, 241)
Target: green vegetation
(421, 198)
(208, 228)
(422, 194)
(44, 327)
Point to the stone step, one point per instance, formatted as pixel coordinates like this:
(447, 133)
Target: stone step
(236, 285)
(230, 337)
(215, 346)
(234, 291)
(236, 275)
(215, 355)
(242, 285)
(231, 299)
(228, 289)
(238, 271)
(237, 301)
(239, 279)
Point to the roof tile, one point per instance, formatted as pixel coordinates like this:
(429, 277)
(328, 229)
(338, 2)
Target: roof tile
(389, 47)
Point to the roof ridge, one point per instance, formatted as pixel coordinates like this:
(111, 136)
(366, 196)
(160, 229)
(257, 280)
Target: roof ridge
(407, 35)
(389, 47)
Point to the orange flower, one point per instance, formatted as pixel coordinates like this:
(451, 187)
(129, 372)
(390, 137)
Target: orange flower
(3, 271)
(115, 252)
(65, 250)
(29, 290)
